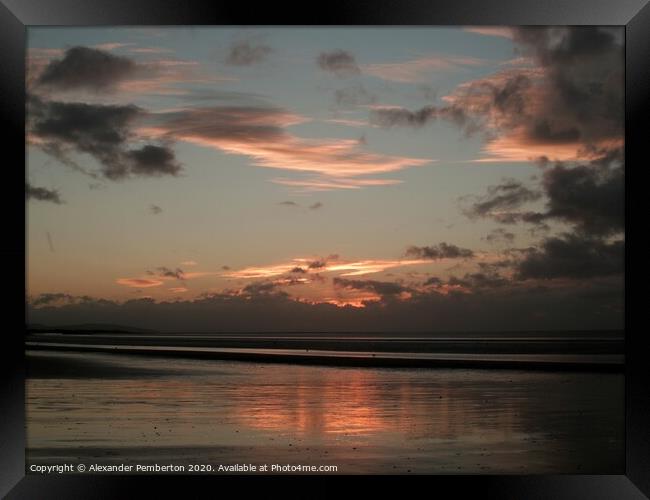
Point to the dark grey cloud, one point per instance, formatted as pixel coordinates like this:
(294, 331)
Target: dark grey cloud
(245, 124)
(317, 264)
(509, 97)
(261, 133)
(536, 218)
(92, 128)
(572, 256)
(357, 95)
(582, 103)
(340, 62)
(42, 194)
(487, 278)
(584, 75)
(298, 270)
(508, 195)
(167, 272)
(499, 235)
(390, 117)
(261, 288)
(574, 94)
(87, 68)
(314, 206)
(103, 132)
(402, 117)
(441, 251)
(155, 209)
(507, 262)
(480, 280)
(582, 88)
(172, 273)
(152, 161)
(48, 298)
(589, 196)
(383, 288)
(50, 243)
(247, 53)
(594, 305)
(434, 280)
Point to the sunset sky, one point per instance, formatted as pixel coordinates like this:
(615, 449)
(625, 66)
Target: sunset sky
(326, 178)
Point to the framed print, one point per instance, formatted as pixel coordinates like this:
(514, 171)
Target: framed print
(375, 241)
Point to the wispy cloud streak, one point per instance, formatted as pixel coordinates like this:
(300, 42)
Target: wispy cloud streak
(261, 134)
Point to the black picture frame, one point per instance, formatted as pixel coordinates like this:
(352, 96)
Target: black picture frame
(17, 15)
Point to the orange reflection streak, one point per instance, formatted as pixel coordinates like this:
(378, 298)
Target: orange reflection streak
(223, 404)
(328, 405)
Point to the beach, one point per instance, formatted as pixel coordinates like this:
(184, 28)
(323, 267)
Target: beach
(594, 351)
(119, 408)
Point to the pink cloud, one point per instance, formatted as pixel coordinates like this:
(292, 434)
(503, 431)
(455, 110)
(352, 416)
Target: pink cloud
(418, 70)
(138, 282)
(342, 268)
(148, 76)
(498, 31)
(150, 50)
(517, 147)
(509, 137)
(348, 122)
(111, 46)
(261, 134)
(327, 184)
(161, 75)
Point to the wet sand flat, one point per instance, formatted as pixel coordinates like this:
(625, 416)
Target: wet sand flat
(601, 342)
(594, 351)
(117, 408)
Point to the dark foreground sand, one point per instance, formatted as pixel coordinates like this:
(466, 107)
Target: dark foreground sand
(346, 459)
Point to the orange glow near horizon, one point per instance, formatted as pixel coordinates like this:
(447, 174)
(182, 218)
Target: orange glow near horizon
(352, 268)
(310, 280)
(139, 282)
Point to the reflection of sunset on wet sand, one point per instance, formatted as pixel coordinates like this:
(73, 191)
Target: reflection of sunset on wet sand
(363, 405)
(364, 420)
(326, 405)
